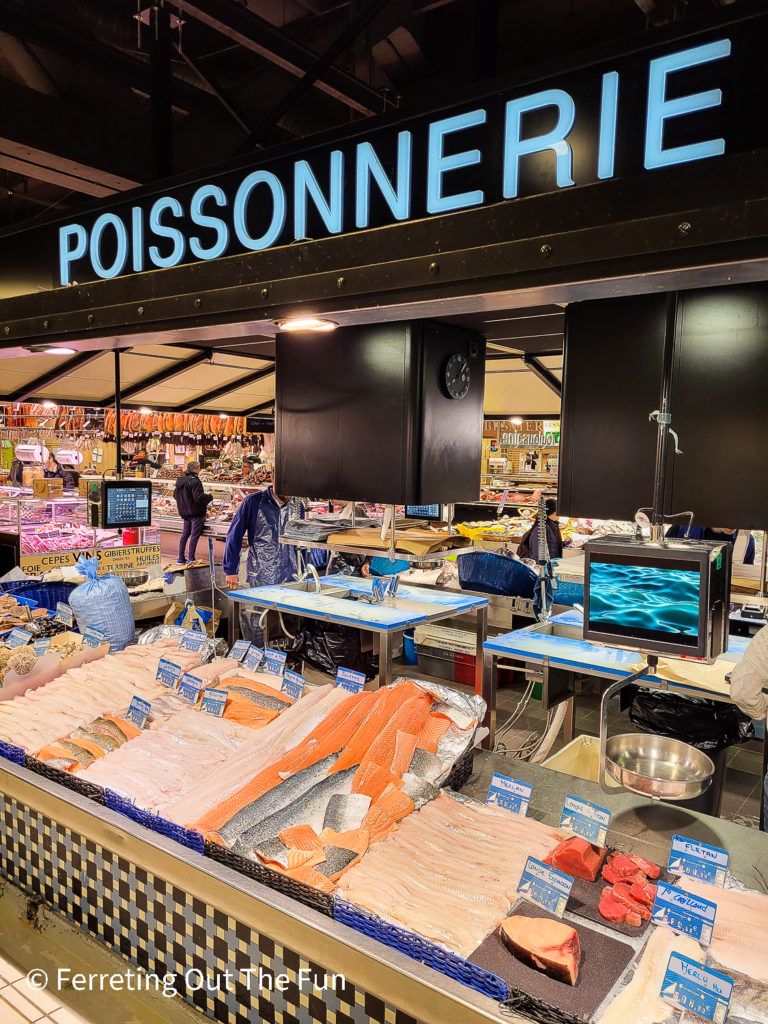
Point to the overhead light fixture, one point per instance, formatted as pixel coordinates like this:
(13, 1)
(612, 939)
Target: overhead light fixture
(50, 405)
(306, 323)
(59, 351)
(517, 420)
(223, 415)
(144, 410)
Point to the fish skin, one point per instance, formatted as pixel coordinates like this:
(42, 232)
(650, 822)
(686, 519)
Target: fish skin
(275, 799)
(425, 764)
(110, 728)
(307, 810)
(262, 699)
(418, 789)
(81, 755)
(336, 859)
(345, 813)
(276, 851)
(103, 739)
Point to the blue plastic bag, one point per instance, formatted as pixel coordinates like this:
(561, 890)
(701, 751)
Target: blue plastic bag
(103, 602)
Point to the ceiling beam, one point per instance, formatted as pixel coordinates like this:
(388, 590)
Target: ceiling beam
(45, 380)
(229, 105)
(545, 376)
(238, 23)
(171, 370)
(235, 385)
(259, 408)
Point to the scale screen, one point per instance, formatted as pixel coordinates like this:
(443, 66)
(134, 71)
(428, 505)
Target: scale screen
(423, 512)
(126, 503)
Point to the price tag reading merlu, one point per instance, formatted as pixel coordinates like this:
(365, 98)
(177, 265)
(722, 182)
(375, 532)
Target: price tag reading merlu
(684, 912)
(691, 986)
(698, 860)
(293, 685)
(585, 819)
(192, 640)
(274, 661)
(239, 650)
(138, 711)
(190, 687)
(167, 673)
(545, 886)
(65, 614)
(214, 702)
(350, 680)
(253, 659)
(509, 793)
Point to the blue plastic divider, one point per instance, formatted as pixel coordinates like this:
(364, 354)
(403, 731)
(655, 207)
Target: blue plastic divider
(186, 836)
(12, 753)
(425, 952)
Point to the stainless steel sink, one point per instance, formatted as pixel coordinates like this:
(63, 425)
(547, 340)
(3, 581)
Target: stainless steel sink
(563, 629)
(326, 589)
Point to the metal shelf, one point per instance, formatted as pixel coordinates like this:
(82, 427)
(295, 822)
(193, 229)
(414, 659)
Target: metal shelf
(403, 556)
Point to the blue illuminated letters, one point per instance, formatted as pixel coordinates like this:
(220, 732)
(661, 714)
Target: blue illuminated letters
(176, 255)
(515, 146)
(243, 197)
(331, 210)
(438, 164)
(205, 220)
(108, 220)
(369, 166)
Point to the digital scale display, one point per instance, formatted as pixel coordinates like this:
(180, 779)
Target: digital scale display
(423, 511)
(126, 503)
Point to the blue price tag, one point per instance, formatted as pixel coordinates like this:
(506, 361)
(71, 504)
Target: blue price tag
(293, 685)
(690, 986)
(545, 886)
(585, 819)
(274, 661)
(65, 614)
(94, 637)
(18, 637)
(689, 914)
(214, 702)
(709, 863)
(167, 673)
(347, 679)
(192, 640)
(254, 658)
(138, 712)
(239, 650)
(190, 687)
(510, 793)
(41, 646)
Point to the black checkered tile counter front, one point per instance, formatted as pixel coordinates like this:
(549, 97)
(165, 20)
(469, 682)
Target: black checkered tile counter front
(158, 927)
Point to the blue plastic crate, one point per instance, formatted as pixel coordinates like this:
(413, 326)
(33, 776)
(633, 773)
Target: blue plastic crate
(420, 949)
(42, 595)
(186, 836)
(568, 593)
(12, 753)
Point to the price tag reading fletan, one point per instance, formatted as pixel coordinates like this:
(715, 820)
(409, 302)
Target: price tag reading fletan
(192, 640)
(689, 914)
(690, 986)
(293, 685)
(190, 687)
(274, 661)
(545, 886)
(709, 863)
(167, 673)
(41, 646)
(65, 614)
(239, 650)
(138, 712)
(94, 637)
(214, 702)
(585, 819)
(18, 638)
(254, 658)
(347, 679)
(509, 793)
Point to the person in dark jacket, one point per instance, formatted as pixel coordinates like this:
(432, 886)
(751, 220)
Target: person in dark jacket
(17, 473)
(52, 469)
(191, 501)
(715, 533)
(529, 545)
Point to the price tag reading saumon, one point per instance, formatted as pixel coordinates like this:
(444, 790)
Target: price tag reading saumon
(138, 711)
(585, 819)
(41, 646)
(65, 614)
(545, 886)
(167, 673)
(691, 986)
(347, 679)
(18, 637)
(192, 640)
(509, 793)
(254, 658)
(293, 685)
(689, 914)
(214, 702)
(190, 687)
(709, 863)
(94, 637)
(274, 661)
(239, 650)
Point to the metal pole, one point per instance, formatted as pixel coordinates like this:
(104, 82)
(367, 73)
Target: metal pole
(763, 565)
(160, 90)
(662, 438)
(118, 416)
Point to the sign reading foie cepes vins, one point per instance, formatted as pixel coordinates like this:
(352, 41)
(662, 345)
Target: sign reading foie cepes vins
(136, 556)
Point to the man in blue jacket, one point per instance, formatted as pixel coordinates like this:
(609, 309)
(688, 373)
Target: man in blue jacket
(263, 517)
(715, 533)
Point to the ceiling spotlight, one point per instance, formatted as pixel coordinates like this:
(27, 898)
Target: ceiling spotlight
(59, 351)
(145, 410)
(517, 420)
(223, 415)
(50, 405)
(306, 323)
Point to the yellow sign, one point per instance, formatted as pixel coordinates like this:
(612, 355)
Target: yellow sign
(137, 556)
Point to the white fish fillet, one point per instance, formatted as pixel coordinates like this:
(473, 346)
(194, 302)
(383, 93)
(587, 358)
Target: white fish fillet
(741, 927)
(640, 1002)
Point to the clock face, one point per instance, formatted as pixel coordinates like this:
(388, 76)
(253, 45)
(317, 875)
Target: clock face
(456, 376)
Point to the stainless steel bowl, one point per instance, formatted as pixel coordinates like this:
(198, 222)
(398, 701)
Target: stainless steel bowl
(132, 577)
(658, 766)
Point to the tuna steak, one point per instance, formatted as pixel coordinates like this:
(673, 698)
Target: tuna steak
(544, 944)
(577, 858)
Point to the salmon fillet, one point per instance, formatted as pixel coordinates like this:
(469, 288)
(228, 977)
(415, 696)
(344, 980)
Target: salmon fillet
(301, 837)
(433, 730)
(390, 807)
(371, 780)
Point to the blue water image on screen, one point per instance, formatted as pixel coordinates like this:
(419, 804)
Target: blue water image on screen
(642, 597)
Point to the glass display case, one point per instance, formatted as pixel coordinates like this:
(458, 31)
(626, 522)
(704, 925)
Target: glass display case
(227, 498)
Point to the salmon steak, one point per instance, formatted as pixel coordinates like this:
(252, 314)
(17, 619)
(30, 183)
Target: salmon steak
(546, 945)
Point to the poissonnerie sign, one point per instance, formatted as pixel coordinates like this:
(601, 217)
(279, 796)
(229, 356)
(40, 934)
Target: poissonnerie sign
(671, 105)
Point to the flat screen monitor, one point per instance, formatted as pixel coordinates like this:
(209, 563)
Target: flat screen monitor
(126, 503)
(423, 511)
(667, 597)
